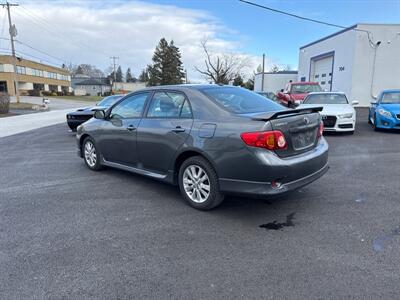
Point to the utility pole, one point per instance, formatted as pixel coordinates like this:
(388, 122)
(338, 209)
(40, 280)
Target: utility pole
(262, 75)
(114, 58)
(13, 33)
(186, 76)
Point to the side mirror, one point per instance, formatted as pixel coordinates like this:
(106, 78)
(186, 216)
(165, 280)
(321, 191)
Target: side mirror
(281, 90)
(99, 114)
(355, 102)
(374, 102)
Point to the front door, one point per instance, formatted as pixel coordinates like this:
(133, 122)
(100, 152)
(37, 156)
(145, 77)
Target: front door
(119, 131)
(163, 130)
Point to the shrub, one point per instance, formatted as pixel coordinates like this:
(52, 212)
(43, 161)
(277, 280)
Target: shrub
(4, 103)
(60, 94)
(53, 94)
(46, 93)
(36, 93)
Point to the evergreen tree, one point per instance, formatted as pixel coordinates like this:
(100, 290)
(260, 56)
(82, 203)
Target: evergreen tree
(167, 65)
(238, 81)
(144, 76)
(128, 76)
(118, 75)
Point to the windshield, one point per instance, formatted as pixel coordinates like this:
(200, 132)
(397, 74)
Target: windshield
(305, 88)
(241, 101)
(326, 99)
(393, 98)
(110, 100)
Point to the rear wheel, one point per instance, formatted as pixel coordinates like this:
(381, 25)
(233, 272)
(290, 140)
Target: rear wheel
(90, 154)
(198, 183)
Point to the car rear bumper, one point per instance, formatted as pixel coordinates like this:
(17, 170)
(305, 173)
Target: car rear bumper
(270, 174)
(253, 188)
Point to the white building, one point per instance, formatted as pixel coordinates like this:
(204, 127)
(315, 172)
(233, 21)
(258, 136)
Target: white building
(273, 82)
(361, 61)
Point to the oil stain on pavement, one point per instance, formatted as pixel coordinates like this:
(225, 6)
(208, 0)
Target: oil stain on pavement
(278, 226)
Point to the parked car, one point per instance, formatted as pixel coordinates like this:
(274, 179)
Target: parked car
(337, 113)
(294, 92)
(269, 95)
(385, 112)
(210, 140)
(76, 118)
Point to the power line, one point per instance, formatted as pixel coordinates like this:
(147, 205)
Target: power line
(370, 40)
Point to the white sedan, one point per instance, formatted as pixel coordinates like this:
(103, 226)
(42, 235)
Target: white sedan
(337, 113)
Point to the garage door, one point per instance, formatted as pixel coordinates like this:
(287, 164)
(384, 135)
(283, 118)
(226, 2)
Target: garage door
(322, 72)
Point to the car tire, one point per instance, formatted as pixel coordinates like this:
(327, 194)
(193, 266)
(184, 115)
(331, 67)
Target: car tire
(374, 124)
(198, 183)
(91, 154)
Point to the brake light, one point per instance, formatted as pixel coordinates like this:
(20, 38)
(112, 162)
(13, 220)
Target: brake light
(321, 129)
(271, 140)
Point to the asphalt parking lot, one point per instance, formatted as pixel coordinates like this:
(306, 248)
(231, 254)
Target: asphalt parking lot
(69, 233)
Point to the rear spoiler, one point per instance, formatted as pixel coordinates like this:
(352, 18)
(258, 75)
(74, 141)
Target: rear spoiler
(275, 115)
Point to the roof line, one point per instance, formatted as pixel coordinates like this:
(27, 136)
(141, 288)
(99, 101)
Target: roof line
(329, 36)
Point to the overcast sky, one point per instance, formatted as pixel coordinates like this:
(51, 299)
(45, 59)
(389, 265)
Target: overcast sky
(92, 31)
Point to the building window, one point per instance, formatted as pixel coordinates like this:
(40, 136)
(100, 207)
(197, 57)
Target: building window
(323, 75)
(302, 79)
(21, 70)
(36, 72)
(322, 82)
(316, 76)
(63, 77)
(1, 68)
(51, 75)
(330, 74)
(330, 82)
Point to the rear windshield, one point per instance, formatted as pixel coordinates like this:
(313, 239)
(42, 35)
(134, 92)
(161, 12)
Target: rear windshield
(240, 101)
(326, 99)
(305, 88)
(393, 97)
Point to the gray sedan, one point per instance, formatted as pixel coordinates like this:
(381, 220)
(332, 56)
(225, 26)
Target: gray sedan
(210, 140)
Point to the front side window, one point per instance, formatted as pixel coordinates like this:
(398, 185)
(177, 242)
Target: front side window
(169, 105)
(326, 99)
(240, 101)
(131, 107)
(391, 98)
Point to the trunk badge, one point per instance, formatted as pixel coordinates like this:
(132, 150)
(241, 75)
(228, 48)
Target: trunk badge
(306, 120)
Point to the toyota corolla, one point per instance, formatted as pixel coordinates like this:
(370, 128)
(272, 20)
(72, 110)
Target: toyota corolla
(209, 140)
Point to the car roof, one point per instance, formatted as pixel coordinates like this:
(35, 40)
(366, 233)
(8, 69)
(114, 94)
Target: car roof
(304, 82)
(183, 87)
(327, 93)
(391, 91)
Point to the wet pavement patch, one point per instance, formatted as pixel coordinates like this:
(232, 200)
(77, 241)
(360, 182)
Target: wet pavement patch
(278, 226)
(379, 243)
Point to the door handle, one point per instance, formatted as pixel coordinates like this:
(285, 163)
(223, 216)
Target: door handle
(131, 128)
(178, 129)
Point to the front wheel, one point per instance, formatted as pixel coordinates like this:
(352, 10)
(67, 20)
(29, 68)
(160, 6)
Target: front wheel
(374, 124)
(198, 183)
(91, 154)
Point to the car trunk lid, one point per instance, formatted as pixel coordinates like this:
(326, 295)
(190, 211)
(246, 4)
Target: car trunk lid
(299, 126)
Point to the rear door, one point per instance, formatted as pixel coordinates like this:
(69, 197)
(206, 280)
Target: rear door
(163, 130)
(119, 132)
(300, 130)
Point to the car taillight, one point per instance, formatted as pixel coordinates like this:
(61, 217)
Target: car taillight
(321, 129)
(271, 140)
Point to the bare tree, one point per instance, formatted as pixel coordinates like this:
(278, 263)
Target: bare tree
(274, 69)
(222, 68)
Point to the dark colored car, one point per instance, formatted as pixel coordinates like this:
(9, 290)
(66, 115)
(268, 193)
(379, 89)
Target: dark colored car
(76, 118)
(210, 140)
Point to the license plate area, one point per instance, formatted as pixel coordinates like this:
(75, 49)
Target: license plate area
(303, 140)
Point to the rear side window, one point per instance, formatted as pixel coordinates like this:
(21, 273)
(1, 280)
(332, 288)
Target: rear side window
(240, 101)
(169, 105)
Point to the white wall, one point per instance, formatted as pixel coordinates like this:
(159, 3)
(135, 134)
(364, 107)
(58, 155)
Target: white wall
(368, 82)
(343, 46)
(129, 86)
(273, 82)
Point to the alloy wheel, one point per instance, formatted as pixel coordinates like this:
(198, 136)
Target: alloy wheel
(90, 154)
(196, 183)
